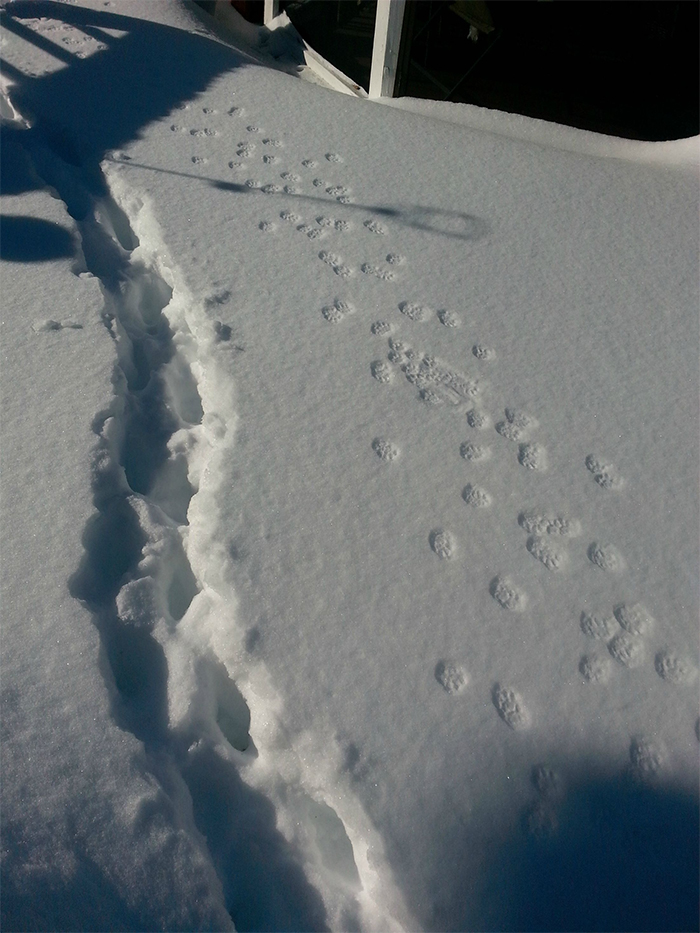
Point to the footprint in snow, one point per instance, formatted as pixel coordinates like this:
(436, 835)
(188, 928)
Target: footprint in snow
(448, 318)
(605, 474)
(336, 263)
(374, 227)
(516, 426)
(451, 676)
(442, 543)
(595, 668)
(606, 557)
(333, 157)
(335, 313)
(507, 594)
(384, 275)
(483, 353)
(384, 449)
(509, 706)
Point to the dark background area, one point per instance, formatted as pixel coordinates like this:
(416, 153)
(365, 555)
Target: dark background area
(621, 67)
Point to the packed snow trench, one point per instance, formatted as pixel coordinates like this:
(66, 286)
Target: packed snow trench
(350, 500)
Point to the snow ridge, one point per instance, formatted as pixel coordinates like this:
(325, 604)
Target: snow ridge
(154, 577)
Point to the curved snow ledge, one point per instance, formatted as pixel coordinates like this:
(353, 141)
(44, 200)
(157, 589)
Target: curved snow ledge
(221, 703)
(676, 152)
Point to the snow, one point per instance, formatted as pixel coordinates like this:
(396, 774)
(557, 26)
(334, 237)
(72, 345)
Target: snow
(349, 499)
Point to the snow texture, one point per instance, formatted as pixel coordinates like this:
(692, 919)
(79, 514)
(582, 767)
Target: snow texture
(349, 499)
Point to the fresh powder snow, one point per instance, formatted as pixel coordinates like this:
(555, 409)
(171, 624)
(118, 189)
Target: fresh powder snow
(349, 499)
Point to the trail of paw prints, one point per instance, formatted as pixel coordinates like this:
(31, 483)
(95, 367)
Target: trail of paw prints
(624, 632)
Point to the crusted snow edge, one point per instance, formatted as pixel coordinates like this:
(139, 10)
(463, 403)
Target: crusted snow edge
(297, 773)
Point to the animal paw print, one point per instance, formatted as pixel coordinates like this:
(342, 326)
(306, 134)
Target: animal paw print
(547, 554)
(605, 474)
(341, 226)
(384, 449)
(245, 150)
(271, 189)
(648, 757)
(336, 264)
(235, 112)
(269, 159)
(413, 311)
(199, 160)
(595, 668)
(309, 163)
(533, 457)
(382, 371)
(319, 183)
(385, 275)
(374, 227)
(333, 157)
(597, 626)
(202, 133)
(510, 707)
(272, 143)
(335, 313)
(626, 649)
(448, 318)
(508, 595)
(483, 353)
(380, 328)
(516, 425)
(634, 619)
(673, 668)
(313, 233)
(476, 496)
(441, 543)
(606, 557)
(253, 129)
(336, 191)
(290, 217)
(474, 453)
(538, 523)
(451, 676)
(290, 176)
(477, 419)
(266, 226)
(395, 259)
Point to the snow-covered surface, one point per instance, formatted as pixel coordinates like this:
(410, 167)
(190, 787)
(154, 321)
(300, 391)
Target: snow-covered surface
(349, 501)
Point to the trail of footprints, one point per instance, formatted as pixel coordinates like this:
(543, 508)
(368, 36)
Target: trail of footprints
(621, 634)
